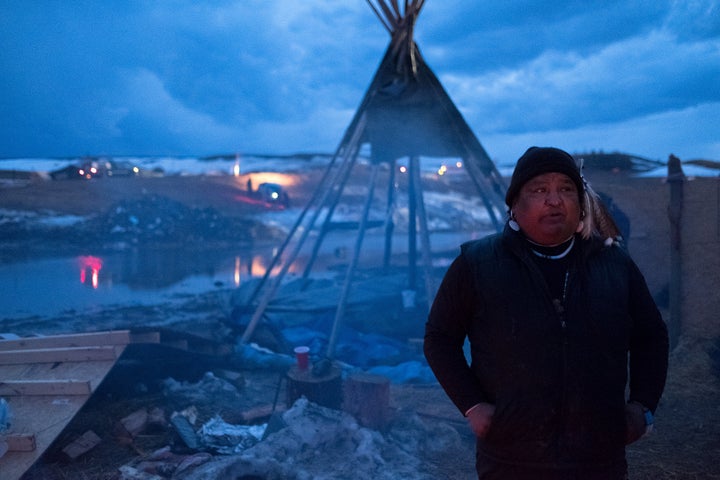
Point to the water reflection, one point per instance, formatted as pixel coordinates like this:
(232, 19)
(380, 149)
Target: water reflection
(90, 264)
(51, 286)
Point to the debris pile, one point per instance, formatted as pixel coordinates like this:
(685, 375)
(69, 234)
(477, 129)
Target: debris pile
(309, 441)
(156, 219)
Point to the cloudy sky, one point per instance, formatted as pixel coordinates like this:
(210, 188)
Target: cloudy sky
(183, 77)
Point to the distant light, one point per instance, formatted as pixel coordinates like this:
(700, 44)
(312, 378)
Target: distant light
(94, 265)
(236, 275)
(275, 195)
(136, 170)
(458, 164)
(442, 170)
(403, 169)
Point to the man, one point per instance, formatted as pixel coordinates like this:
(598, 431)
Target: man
(553, 313)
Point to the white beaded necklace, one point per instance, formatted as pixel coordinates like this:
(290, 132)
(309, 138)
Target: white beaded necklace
(559, 255)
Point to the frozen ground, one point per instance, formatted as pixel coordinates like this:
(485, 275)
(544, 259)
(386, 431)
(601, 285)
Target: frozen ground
(426, 439)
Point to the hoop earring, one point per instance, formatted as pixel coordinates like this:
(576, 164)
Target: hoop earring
(512, 223)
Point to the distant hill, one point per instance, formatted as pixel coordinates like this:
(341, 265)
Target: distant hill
(617, 161)
(715, 165)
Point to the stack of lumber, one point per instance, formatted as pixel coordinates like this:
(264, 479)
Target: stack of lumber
(46, 380)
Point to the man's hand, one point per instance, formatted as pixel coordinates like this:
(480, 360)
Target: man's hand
(634, 422)
(479, 417)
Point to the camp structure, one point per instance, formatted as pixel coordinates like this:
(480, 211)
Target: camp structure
(405, 115)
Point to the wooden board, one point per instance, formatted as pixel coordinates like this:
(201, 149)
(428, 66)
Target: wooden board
(47, 379)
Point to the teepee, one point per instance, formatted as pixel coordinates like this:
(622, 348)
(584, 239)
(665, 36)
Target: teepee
(405, 114)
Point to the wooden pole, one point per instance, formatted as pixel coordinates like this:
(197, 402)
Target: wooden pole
(342, 302)
(275, 284)
(389, 223)
(424, 234)
(412, 228)
(676, 179)
(331, 204)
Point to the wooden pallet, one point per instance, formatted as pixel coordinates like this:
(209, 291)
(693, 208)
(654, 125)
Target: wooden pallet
(46, 380)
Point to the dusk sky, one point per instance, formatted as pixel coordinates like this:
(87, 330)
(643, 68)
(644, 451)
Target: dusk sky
(283, 76)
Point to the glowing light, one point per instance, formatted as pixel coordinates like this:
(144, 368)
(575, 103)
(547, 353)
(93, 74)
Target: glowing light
(93, 265)
(236, 167)
(458, 164)
(442, 170)
(403, 169)
(258, 267)
(136, 170)
(283, 179)
(237, 271)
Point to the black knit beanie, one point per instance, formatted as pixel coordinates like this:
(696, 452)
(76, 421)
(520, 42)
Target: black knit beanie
(538, 160)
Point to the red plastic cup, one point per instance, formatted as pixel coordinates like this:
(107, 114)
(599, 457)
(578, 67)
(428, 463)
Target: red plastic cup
(302, 355)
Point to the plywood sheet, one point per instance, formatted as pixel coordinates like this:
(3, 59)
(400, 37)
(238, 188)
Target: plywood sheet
(45, 388)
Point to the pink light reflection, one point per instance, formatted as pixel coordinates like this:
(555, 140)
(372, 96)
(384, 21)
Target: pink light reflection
(90, 264)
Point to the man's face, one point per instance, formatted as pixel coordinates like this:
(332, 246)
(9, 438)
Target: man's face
(548, 208)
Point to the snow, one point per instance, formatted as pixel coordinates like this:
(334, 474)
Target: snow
(176, 165)
(191, 165)
(319, 443)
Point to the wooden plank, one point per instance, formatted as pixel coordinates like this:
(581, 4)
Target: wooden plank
(19, 442)
(53, 355)
(91, 371)
(261, 412)
(44, 387)
(145, 337)
(81, 445)
(46, 415)
(117, 337)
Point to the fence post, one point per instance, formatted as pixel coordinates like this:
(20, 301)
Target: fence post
(676, 179)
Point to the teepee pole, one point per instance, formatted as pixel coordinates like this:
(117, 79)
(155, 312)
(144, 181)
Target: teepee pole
(342, 302)
(276, 258)
(350, 157)
(389, 212)
(382, 19)
(275, 284)
(331, 205)
(412, 227)
(424, 232)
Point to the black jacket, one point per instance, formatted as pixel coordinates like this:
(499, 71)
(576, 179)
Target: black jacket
(557, 378)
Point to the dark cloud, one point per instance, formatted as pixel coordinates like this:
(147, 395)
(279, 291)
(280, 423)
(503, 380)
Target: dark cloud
(188, 78)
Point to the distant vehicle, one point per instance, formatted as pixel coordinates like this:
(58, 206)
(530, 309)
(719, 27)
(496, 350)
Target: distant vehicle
(121, 169)
(94, 168)
(273, 193)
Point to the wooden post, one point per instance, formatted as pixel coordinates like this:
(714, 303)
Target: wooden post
(675, 178)
(389, 223)
(325, 389)
(412, 226)
(367, 398)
